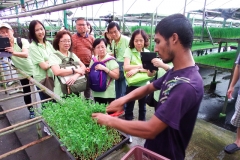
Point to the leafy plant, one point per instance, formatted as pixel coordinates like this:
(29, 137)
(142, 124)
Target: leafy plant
(72, 123)
(222, 60)
(228, 33)
(147, 29)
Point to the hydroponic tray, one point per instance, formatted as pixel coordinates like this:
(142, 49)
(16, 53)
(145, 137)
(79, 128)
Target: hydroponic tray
(124, 137)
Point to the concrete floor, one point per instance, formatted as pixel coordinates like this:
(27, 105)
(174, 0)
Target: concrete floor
(207, 143)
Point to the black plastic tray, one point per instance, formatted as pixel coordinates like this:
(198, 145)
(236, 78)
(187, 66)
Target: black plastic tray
(125, 139)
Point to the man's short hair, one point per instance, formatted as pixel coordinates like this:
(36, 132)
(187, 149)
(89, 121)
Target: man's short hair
(113, 24)
(79, 19)
(179, 24)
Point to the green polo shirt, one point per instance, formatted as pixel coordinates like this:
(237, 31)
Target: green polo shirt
(120, 47)
(38, 54)
(110, 92)
(135, 59)
(24, 64)
(55, 60)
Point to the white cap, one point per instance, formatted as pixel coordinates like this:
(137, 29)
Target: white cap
(5, 25)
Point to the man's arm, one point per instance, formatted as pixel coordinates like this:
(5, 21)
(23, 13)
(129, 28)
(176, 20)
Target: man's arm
(234, 81)
(117, 105)
(144, 129)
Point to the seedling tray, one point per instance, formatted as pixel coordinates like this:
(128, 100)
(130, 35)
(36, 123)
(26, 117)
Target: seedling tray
(124, 137)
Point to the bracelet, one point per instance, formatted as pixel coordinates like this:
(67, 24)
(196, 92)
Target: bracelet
(73, 71)
(108, 71)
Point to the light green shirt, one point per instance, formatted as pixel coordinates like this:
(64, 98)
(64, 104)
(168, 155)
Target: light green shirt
(135, 59)
(108, 49)
(120, 47)
(110, 92)
(161, 72)
(38, 54)
(24, 64)
(55, 60)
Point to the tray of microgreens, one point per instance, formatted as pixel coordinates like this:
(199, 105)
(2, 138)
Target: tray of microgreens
(71, 123)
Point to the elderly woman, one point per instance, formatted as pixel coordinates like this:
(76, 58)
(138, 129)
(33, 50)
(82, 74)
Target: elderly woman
(40, 50)
(111, 68)
(133, 65)
(63, 44)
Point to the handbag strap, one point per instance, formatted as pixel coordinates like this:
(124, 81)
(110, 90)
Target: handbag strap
(138, 58)
(114, 51)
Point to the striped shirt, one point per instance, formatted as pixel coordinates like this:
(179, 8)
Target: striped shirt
(82, 47)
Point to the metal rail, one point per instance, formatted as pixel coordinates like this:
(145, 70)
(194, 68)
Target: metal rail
(24, 147)
(25, 123)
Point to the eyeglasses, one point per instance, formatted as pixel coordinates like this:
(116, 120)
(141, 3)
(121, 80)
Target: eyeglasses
(100, 47)
(81, 24)
(66, 41)
(113, 32)
(138, 40)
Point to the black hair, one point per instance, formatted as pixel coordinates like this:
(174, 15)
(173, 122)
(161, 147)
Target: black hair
(80, 18)
(144, 35)
(32, 34)
(88, 24)
(179, 24)
(113, 24)
(57, 38)
(98, 41)
(108, 40)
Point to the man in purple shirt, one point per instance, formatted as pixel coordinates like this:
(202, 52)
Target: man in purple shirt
(169, 130)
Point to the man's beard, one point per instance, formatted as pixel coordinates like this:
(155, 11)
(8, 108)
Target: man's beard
(171, 57)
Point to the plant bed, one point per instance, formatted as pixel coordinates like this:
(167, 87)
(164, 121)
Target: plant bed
(78, 133)
(220, 60)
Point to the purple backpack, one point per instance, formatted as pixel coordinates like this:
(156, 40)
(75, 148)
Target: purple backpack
(98, 78)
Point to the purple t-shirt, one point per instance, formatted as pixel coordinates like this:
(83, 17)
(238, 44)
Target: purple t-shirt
(178, 108)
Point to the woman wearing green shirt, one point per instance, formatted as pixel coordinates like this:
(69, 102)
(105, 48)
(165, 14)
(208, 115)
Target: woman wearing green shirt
(132, 65)
(39, 51)
(111, 68)
(63, 45)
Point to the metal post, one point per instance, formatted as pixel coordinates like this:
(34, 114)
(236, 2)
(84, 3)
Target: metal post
(65, 17)
(184, 10)
(86, 14)
(36, 3)
(23, 5)
(224, 22)
(151, 35)
(203, 20)
(113, 12)
(123, 16)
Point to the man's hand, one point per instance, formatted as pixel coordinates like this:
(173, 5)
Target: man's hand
(229, 92)
(102, 119)
(115, 106)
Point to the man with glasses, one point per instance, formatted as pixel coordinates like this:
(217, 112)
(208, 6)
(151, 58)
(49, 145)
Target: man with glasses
(119, 44)
(20, 60)
(82, 47)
